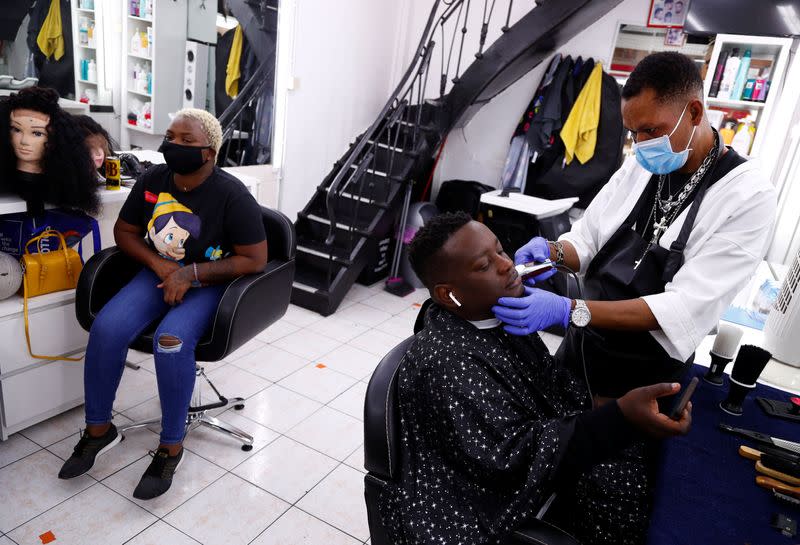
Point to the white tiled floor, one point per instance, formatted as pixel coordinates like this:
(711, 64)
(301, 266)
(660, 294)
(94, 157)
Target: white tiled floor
(304, 379)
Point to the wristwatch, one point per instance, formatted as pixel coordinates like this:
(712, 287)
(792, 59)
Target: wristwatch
(580, 315)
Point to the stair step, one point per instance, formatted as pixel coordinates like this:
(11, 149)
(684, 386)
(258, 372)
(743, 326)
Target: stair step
(385, 146)
(360, 228)
(363, 200)
(324, 252)
(424, 126)
(379, 174)
(303, 287)
(312, 279)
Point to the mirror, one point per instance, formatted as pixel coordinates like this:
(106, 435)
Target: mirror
(635, 42)
(101, 58)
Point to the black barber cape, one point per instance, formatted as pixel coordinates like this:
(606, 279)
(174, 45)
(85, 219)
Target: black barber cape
(488, 423)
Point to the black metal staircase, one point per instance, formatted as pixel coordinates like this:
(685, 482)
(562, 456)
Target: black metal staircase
(351, 215)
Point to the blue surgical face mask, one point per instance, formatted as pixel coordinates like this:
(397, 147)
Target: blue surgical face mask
(656, 154)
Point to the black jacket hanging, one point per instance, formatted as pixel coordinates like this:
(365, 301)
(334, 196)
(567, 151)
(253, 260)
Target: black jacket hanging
(547, 121)
(584, 181)
(58, 74)
(570, 90)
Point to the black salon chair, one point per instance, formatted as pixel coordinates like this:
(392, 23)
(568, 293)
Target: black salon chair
(249, 305)
(381, 454)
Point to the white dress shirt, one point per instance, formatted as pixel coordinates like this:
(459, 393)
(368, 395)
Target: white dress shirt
(730, 237)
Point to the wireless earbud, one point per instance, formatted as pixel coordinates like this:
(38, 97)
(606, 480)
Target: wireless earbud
(453, 298)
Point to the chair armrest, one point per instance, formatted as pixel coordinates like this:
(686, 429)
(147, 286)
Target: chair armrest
(249, 305)
(539, 532)
(101, 278)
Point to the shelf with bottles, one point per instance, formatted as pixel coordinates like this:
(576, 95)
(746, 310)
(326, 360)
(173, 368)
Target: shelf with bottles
(87, 18)
(151, 88)
(743, 75)
(140, 115)
(86, 31)
(140, 78)
(87, 70)
(743, 80)
(140, 9)
(140, 40)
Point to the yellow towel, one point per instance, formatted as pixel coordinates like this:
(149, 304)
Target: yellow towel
(579, 133)
(232, 72)
(51, 37)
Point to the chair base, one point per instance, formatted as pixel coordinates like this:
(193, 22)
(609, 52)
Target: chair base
(199, 414)
(196, 419)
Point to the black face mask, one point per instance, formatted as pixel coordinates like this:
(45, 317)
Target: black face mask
(183, 159)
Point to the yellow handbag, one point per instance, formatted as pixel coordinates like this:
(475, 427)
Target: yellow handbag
(47, 272)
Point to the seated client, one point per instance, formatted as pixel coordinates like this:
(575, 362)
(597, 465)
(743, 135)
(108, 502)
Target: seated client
(193, 228)
(490, 424)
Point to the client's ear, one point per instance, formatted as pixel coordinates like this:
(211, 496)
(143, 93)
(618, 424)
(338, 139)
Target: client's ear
(442, 296)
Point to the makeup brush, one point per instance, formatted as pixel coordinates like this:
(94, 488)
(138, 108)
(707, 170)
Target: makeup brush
(746, 369)
(723, 351)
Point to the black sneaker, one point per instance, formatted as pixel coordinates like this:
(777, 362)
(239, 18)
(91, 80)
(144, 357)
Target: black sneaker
(157, 477)
(86, 452)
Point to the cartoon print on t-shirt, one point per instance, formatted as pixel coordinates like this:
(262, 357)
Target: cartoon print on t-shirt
(171, 226)
(213, 254)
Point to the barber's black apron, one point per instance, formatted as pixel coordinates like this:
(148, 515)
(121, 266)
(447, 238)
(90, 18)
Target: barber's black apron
(618, 361)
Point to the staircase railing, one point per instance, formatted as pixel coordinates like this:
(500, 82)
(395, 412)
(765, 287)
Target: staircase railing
(404, 108)
(233, 118)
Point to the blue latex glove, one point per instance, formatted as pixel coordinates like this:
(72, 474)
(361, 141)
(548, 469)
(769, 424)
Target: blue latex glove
(536, 250)
(535, 311)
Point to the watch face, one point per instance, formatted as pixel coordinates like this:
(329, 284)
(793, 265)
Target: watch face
(581, 316)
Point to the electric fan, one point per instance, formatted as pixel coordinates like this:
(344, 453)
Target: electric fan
(782, 330)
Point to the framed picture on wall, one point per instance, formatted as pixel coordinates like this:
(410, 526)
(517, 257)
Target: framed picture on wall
(675, 37)
(667, 13)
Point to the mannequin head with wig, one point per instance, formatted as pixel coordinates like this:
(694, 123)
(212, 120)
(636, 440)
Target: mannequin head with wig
(39, 139)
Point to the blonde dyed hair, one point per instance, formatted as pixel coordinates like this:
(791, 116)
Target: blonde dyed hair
(209, 123)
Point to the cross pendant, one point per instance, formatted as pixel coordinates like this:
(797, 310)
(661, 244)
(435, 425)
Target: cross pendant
(636, 264)
(660, 226)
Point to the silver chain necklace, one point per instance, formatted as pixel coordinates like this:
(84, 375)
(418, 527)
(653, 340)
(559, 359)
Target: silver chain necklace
(670, 207)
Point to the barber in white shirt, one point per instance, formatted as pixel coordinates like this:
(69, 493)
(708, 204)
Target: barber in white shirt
(664, 247)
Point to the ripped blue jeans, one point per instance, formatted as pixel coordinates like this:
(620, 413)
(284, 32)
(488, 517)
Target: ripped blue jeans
(138, 305)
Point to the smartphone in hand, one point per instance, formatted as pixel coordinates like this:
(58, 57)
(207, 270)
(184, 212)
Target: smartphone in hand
(678, 408)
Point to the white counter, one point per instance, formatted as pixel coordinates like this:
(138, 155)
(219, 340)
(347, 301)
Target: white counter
(71, 106)
(11, 204)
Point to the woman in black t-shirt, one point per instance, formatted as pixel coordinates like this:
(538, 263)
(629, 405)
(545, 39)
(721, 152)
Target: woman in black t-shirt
(194, 228)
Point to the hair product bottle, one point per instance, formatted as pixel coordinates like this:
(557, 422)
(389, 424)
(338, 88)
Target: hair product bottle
(741, 77)
(729, 76)
(715, 83)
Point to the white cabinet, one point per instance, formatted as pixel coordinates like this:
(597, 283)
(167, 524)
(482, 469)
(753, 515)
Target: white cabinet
(43, 391)
(152, 83)
(88, 20)
(32, 390)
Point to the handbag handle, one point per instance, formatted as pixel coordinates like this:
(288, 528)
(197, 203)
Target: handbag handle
(27, 327)
(62, 247)
(62, 243)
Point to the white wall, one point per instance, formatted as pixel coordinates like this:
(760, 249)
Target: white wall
(343, 63)
(414, 17)
(339, 60)
(478, 151)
